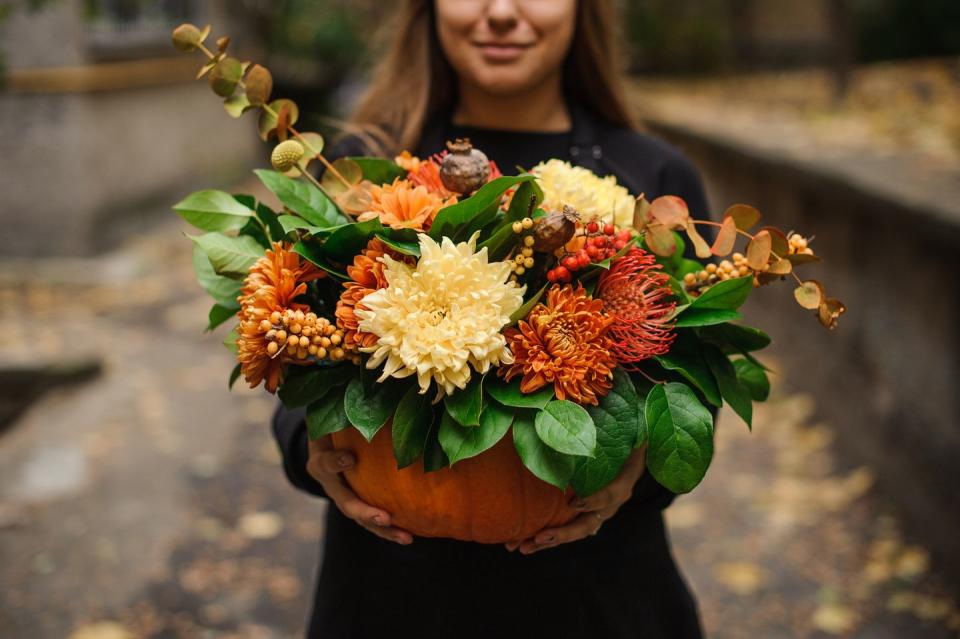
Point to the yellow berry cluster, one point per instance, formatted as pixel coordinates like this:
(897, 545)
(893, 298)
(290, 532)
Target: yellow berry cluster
(799, 245)
(523, 260)
(304, 335)
(697, 283)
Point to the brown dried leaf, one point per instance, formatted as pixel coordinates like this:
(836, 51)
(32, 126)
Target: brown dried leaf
(778, 241)
(781, 267)
(726, 238)
(744, 216)
(660, 240)
(802, 258)
(670, 211)
(830, 311)
(225, 76)
(222, 43)
(267, 125)
(356, 199)
(187, 37)
(809, 294)
(259, 85)
(699, 244)
(349, 169)
(640, 211)
(758, 250)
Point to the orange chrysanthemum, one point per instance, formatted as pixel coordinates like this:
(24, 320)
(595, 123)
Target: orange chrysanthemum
(402, 205)
(366, 275)
(564, 343)
(270, 287)
(636, 292)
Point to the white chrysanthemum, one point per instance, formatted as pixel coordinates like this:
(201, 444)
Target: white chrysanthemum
(442, 316)
(582, 189)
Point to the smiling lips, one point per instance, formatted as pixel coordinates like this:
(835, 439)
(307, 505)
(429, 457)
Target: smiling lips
(501, 52)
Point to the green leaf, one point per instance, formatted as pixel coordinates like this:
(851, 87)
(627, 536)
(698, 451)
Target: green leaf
(509, 394)
(567, 428)
(454, 220)
(293, 222)
(266, 215)
(326, 415)
(348, 240)
(230, 256)
(369, 409)
(686, 358)
(234, 376)
(303, 198)
(466, 405)
(223, 290)
(407, 248)
(212, 210)
(726, 294)
(705, 317)
(411, 425)
(219, 314)
(379, 170)
(305, 384)
(524, 310)
(642, 386)
(730, 388)
(314, 254)
(461, 442)
(230, 341)
(541, 460)
(617, 419)
(737, 337)
(434, 458)
(681, 437)
(753, 378)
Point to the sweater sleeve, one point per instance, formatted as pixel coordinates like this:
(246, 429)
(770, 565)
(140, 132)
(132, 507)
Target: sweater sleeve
(290, 431)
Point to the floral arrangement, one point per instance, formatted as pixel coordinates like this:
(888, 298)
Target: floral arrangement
(431, 306)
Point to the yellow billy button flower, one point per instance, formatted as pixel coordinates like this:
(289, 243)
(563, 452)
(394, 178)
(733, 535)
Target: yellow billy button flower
(441, 317)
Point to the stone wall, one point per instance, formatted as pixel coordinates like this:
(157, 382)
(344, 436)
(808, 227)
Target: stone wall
(886, 380)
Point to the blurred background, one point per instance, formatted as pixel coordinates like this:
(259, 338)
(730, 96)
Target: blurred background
(138, 498)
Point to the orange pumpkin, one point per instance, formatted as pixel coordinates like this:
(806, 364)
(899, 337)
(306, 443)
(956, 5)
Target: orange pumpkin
(491, 498)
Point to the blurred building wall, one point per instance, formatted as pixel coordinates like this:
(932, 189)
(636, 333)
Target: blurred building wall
(102, 121)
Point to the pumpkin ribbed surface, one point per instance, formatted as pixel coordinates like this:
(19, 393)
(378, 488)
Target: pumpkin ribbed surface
(490, 498)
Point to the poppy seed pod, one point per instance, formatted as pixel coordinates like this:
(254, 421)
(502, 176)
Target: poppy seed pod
(464, 169)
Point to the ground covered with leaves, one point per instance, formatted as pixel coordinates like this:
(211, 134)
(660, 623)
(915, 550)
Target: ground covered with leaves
(150, 502)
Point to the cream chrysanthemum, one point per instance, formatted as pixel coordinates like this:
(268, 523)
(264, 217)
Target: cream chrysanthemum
(442, 316)
(591, 195)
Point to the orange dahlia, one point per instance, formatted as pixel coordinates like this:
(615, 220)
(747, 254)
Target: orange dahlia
(403, 205)
(636, 292)
(269, 289)
(565, 343)
(366, 275)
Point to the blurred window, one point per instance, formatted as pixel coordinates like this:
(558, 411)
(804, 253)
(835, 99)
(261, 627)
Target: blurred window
(117, 29)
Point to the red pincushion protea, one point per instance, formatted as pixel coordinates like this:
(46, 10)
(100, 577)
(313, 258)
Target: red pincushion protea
(636, 292)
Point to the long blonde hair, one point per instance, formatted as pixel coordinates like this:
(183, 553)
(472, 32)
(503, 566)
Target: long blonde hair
(414, 82)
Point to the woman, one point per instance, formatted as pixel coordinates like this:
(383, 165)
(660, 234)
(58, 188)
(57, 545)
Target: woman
(525, 80)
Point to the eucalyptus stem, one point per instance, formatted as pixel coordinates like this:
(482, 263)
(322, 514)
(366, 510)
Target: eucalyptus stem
(751, 237)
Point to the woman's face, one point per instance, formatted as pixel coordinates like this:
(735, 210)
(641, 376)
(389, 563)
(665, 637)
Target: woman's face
(505, 46)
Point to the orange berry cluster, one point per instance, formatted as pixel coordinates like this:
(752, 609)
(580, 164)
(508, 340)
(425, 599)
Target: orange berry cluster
(523, 261)
(697, 283)
(304, 335)
(799, 244)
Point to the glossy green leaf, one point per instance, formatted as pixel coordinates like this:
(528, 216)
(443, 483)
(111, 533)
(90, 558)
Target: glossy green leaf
(407, 248)
(617, 419)
(349, 240)
(234, 376)
(753, 378)
(508, 393)
(462, 442)
(681, 437)
(737, 337)
(541, 460)
(219, 314)
(305, 384)
(730, 388)
(453, 221)
(326, 415)
(303, 198)
(369, 408)
(212, 210)
(686, 358)
(466, 405)
(726, 294)
(567, 428)
(291, 223)
(433, 456)
(693, 317)
(223, 290)
(379, 170)
(314, 254)
(230, 256)
(411, 425)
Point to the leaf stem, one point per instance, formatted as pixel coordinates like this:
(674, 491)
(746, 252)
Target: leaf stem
(650, 379)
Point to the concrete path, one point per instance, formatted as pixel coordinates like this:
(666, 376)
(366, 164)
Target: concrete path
(150, 502)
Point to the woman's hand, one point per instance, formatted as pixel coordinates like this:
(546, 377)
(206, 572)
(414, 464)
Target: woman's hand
(325, 465)
(595, 509)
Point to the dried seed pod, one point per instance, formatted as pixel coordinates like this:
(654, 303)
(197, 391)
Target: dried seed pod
(555, 230)
(464, 169)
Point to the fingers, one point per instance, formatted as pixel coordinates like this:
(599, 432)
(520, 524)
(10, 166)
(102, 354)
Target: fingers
(583, 526)
(389, 533)
(332, 461)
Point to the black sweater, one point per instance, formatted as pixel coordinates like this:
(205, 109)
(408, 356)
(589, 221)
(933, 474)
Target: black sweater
(621, 582)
